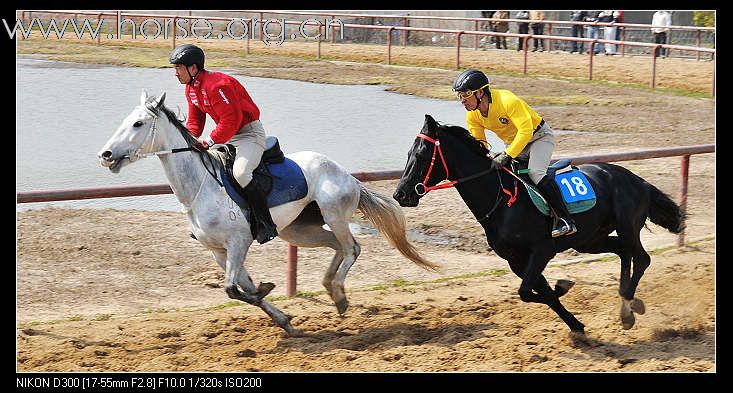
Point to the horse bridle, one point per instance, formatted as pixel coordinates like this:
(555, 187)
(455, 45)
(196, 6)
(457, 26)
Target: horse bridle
(451, 183)
(151, 134)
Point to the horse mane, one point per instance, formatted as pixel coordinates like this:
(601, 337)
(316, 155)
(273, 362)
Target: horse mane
(190, 139)
(465, 137)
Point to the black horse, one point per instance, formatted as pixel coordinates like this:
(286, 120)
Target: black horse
(520, 234)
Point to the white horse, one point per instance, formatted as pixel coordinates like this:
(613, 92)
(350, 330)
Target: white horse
(152, 129)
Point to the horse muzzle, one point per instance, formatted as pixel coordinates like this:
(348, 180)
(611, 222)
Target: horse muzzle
(405, 200)
(113, 164)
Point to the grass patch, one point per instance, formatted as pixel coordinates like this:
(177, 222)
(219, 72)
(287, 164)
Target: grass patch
(75, 318)
(103, 317)
(232, 303)
(308, 294)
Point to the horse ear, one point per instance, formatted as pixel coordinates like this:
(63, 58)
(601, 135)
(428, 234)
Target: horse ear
(160, 99)
(430, 124)
(143, 97)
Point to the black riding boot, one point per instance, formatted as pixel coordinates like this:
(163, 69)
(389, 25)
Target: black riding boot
(263, 229)
(564, 225)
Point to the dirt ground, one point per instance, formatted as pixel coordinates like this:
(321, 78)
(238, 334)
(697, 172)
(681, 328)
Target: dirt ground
(130, 291)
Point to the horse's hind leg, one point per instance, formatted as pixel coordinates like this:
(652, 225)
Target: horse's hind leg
(629, 237)
(316, 236)
(350, 250)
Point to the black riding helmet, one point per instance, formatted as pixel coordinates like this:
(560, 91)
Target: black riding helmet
(188, 54)
(470, 80)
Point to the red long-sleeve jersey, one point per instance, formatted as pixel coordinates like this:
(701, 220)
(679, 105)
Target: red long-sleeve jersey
(224, 99)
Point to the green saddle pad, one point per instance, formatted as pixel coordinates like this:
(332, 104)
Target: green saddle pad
(573, 207)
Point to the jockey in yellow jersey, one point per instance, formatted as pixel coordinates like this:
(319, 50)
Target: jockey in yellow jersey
(524, 132)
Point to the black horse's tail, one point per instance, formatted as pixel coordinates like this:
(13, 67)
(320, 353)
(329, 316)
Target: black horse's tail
(664, 212)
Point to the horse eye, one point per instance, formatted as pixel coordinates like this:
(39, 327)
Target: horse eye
(137, 124)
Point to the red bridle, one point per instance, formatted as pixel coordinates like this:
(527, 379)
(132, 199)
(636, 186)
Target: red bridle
(436, 149)
(451, 183)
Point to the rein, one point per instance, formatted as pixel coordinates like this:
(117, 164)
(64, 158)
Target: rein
(437, 150)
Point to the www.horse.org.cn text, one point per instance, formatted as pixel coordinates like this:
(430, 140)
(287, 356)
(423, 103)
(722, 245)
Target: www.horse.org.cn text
(270, 31)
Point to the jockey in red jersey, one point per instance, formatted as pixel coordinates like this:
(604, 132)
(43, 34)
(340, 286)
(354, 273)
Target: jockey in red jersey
(237, 120)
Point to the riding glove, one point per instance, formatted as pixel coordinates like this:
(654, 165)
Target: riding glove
(500, 160)
(200, 146)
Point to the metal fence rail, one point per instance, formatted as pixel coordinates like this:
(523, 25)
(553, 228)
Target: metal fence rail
(156, 189)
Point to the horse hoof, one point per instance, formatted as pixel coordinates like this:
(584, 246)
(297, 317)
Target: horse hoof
(233, 292)
(627, 318)
(293, 332)
(342, 305)
(563, 286)
(264, 288)
(578, 338)
(637, 306)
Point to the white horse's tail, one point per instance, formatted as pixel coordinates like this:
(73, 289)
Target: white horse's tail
(387, 216)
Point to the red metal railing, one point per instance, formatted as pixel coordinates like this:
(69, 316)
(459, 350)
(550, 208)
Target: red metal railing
(156, 189)
(524, 38)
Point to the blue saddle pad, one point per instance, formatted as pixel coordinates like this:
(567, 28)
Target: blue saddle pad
(288, 184)
(576, 191)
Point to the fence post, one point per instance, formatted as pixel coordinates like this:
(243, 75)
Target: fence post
(623, 38)
(249, 33)
(389, 45)
(549, 41)
(404, 32)
(684, 171)
(318, 53)
(525, 46)
(292, 270)
(654, 65)
(99, 37)
(175, 18)
(715, 68)
(697, 43)
(458, 49)
(333, 36)
(591, 49)
(475, 37)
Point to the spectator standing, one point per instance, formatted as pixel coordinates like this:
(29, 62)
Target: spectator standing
(488, 26)
(661, 20)
(501, 27)
(538, 29)
(594, 30)
(618, 16)
(609, 32)
(522, 27)
(577, 16)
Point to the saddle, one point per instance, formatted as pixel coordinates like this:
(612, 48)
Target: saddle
(577, 193)
(278, 178)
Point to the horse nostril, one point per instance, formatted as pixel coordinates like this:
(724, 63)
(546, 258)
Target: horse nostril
(398, 195)
(106, 154)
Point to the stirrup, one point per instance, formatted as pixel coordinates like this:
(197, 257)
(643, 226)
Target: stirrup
(565, 229)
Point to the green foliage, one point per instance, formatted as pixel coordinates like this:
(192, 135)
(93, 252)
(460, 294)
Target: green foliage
(704, 18)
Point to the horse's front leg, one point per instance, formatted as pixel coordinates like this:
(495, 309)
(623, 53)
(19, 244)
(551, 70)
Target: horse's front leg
(534, 288)
(235, 273)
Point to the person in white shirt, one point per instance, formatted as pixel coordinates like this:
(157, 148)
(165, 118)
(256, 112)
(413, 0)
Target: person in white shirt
(661, 20)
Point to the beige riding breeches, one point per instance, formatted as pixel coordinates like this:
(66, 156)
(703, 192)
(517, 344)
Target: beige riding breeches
(250, 143)
(539, 149)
